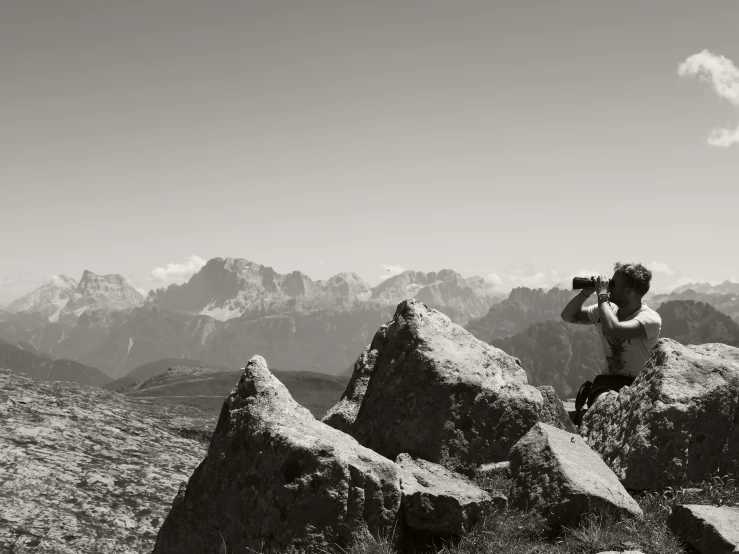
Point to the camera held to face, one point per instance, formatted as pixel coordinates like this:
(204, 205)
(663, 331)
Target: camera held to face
(583, 283)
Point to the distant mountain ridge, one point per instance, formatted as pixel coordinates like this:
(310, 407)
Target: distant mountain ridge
(64, 300)
(522, 308)
(229, 288)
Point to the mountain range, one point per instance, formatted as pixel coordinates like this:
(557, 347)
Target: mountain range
(228, 311)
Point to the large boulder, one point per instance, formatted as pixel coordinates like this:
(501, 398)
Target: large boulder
(678, 421)
(557, 475)
(710, 529)
(439, 502)
(430, 389)
(275, 478)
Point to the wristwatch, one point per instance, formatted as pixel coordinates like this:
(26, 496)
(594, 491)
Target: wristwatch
(603, 297)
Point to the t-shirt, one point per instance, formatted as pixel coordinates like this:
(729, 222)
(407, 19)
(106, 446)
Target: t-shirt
(628, 356)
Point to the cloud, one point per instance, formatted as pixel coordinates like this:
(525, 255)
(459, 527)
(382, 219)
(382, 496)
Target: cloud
(723, 137)
(723, 76)
(495, 279)
(323, 264)
(660, 267)
(176, 272)
(6, 282)
(390, 271)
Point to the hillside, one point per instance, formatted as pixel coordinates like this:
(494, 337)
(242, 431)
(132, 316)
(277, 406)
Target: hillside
(206, 388)
(40, 366)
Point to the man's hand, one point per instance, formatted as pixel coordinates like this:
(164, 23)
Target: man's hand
(601, 284)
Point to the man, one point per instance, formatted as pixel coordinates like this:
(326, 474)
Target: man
(629, 328)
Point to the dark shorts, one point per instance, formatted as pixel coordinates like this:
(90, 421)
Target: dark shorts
(590, 391)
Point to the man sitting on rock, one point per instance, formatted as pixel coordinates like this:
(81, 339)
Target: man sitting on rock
(628, 327)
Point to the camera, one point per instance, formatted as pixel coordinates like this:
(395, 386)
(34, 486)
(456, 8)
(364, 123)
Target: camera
(583, 283)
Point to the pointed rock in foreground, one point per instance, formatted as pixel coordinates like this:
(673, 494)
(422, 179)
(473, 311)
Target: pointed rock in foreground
(710, 529)
(678, 420)
(275, 478)
(427, 387)
(556, 474)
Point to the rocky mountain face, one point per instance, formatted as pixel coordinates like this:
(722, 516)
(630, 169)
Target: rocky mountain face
(727, 303)
(24, 358)
(87, 470)
(556, 353)
(325, 340)
(522, 308)
(100, 292)
(457, 297)
(64, 300)
(47, 301)
(228, 288)
(690, 322)
(727, 287)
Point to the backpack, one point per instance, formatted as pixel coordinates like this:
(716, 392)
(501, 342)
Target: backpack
(590, 391)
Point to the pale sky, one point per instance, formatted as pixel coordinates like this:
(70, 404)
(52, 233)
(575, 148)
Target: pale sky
(524, 141)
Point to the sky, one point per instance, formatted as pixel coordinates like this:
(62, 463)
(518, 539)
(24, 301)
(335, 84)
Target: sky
(525, 142)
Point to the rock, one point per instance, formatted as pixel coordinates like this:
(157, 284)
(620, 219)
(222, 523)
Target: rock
(710, 529)
(621, 552)
(553, 411)
(436, 392)
(84, 470)
(437, 501)
(556, 474)
(343, 414)
(676, 422)
(275, 478)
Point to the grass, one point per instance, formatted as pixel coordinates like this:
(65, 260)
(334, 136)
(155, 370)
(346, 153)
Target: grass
(511, 531)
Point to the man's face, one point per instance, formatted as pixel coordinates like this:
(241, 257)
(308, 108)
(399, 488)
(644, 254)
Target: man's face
(617, 290)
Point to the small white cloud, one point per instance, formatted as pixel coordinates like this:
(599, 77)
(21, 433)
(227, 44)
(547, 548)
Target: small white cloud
(659, 267)
(323, 264)
(6, 282)
(723, 137)
(723, 76)
(176, 272)
(495, 279)
(717, 70)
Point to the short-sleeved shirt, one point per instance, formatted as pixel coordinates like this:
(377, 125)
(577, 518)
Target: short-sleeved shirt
(628, 356)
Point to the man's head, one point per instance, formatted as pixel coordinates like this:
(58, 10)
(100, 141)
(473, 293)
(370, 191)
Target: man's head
(629, 284)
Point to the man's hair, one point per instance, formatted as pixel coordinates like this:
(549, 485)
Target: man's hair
(636, 276)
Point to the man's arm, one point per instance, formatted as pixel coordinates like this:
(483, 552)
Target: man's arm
(612, 327)
(573, 312)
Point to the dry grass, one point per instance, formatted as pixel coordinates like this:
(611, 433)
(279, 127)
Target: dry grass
(516, 532)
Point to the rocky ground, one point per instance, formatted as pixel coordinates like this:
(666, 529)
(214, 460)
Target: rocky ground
(86, 470)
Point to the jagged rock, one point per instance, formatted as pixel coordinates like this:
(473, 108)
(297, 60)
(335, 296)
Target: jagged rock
(556, 474)
(710, 529)
(678, 421)
(275, 478)
(85, 470)
(438, 393)
(343, 414)
(438, 501)
(553, 411)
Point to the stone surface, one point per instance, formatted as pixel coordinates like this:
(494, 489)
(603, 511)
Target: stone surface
(556, 474)
(553, 411)
(710, 529)
(342, 415)
(438, 393)
(84, 470)
(438, 501)
(276, 478)
(679, 419)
